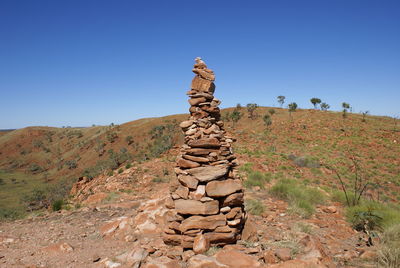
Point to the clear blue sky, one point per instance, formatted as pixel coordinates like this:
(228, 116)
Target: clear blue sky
(81, 62)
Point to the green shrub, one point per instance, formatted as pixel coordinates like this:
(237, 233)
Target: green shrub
(255, 207)
(128, 165)
(9, 214)
(57, 205)
(120, 171)
(301, 198)
(35, 168)
(256, 178)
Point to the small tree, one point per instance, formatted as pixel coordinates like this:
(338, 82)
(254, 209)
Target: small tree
(251, 108)
(238, 106)
(315, 101)
(267, 120)
(364, 115)
(271, 111)
(325, 106)
(345, 106)
(235, 116)
(129, 140)
(292, 108)
(281, 100)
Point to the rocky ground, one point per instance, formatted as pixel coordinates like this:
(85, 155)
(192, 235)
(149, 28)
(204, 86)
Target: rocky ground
(124, 230)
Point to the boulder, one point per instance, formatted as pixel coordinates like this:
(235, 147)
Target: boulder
(195, 207)
(209, 173)
(223, 188)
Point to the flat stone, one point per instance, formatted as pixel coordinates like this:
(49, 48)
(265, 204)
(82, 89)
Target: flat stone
(200, 192)
(204, 223)
(186, 124)
(195, 207)
(200, 151)
(196, 101)
(196, 158)
(205, 143)
(235, 199)
(202, 85)
(209, 173)
(205, 73)
(184, 163)
(283, 254)
(188, 181)
(203, 261)
(236, 212)
(220, 238)
(223, 188)
(236, 259)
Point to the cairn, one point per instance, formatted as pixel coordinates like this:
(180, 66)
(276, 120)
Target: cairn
(206, 199)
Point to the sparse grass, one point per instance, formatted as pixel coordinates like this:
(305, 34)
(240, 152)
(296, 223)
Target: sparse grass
(389, 250)
(257, 178)
(302, 199)
(303, 227)
(255, 207)
(212, 251)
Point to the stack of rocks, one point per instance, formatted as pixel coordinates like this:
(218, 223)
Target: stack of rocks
(206, 199)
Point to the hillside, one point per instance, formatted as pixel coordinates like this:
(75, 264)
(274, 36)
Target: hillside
(34, 157)
(298, 213)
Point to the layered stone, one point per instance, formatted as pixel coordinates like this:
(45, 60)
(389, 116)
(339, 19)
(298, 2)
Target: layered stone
(207, 197)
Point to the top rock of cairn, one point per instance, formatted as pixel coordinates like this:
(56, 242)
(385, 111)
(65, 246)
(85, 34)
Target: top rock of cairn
(206, 199)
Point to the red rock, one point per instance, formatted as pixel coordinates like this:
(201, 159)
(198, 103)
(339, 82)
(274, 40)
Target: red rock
(58, 248)
(208, 173)
(162, 262)
(205, 73)
(232, 200)
(202, 85)
(188, 181)
(329, 209)
(223, 188)
(220, 238)
(283, 254)
(298, 264)
(196, 158)
(186, 124)
(196, 207)
(202, 261)
(196, 101)
(200, 244)
(269, 257)
(205, 143)
(199, 193)
(184, 163)
(204, 223)
(236, 259)
(249, 232)
(182, 191)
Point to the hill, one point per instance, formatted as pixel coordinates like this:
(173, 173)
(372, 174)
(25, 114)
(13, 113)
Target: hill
(294, 146)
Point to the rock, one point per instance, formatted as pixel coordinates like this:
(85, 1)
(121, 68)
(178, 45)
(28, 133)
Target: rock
(249, 232)
(188, 181)
(200, 244)
(184, 163)
(236, 259)
(205, 73)
(221, 238)
(203, 222)
(162, 262)
(200, 192)
(200, 151)
(186, 124)
(196, 158)
(298, 264)
(182, 191)
(202, 85)
(196, 101)
(235, 213)
(283, 254)
(205, 143)
(329, 209)
(61, 247)
(202, 261)
(225, 209)
(186, 255)
(209, 173)
(233, 200)
(223, 188)
(269, 257)
(195, 207)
